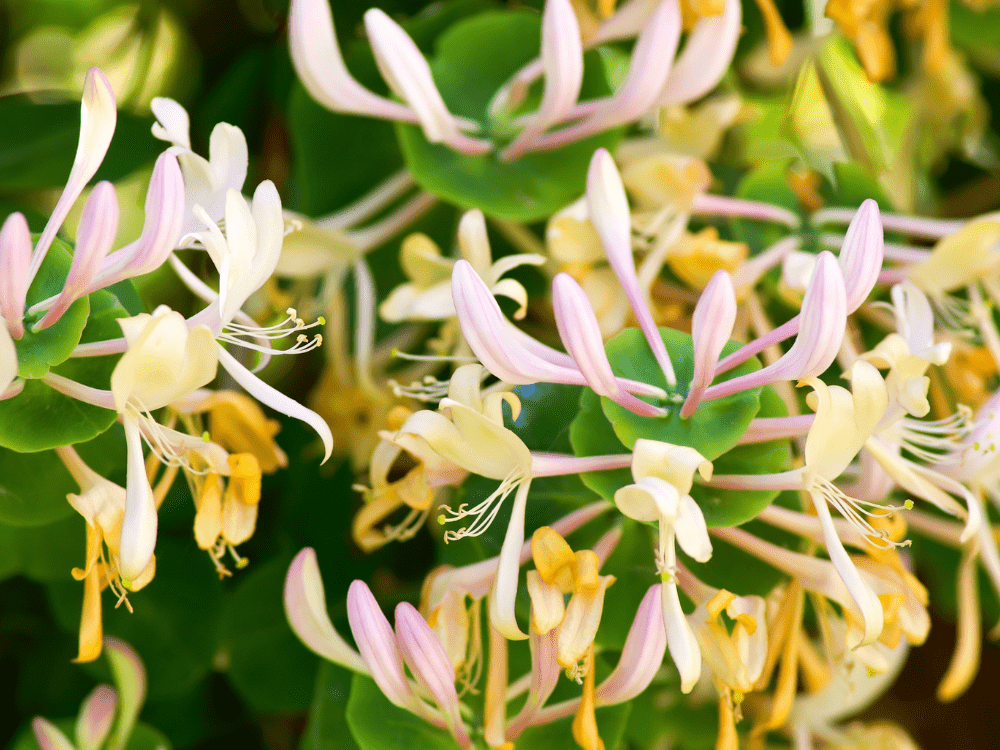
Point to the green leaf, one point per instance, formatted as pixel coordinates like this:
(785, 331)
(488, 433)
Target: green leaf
(43, 553)
(712, 430)
(377, 724)
(38, 143)
(327, 727)
(530, 188)
(267, 665)
(591, 434)
(33, 486)
(57, 419)
(37, 352)
(733, 507)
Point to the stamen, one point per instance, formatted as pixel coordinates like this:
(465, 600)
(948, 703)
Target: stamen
(855, 512)
(483, 513)
(234, 333)
(431, 390)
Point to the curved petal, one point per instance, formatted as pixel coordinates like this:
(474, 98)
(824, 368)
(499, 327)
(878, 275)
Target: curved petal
(705, 58)
(305, 608)
(504, 590)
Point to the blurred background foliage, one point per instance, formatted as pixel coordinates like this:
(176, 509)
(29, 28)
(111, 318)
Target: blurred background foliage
(225, 670)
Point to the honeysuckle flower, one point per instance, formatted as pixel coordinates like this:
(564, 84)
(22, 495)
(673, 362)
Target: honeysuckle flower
(909, 352)
(98, 117)
(823, 322)
(711, 326)
(560, 571)
(507, 352)
(428, 295)
(562, 64)
(165, 361)
(609, 212)
(860, 261)
(415, 489)
(206, 181)
(102, 504)
(94, 266)
(381, 653)
(8, 361)
(664, 475)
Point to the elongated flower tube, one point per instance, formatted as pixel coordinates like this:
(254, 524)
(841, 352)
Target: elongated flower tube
(705, 58)
(15, 258)
(581, 335)
(8, 361)
(97, 713)
(642, 653)
(562, 62)
(431, 666)
(98, 117)
(504, 350)
(711, 326)
(649, 67)
(823, 322)
(377, 644)
(409, 76)
(305, 608)
(95, 235)
(609, 212)
(312, 41)
(860, 259)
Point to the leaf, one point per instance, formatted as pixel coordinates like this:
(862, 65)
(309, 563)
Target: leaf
(38, 144)
(712, 430)
(768, 184)
(38, 352)
(592, 435)
(377, 724)
(530, 188)
(327, 727)
(57, 419)
(267, 665)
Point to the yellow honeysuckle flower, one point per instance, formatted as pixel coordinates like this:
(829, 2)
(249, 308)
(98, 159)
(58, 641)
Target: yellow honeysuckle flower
(695, 258)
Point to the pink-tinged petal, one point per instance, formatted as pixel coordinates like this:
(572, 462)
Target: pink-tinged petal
(130, 679)
(581, 335)
(711, 326)
(8, 359)
(562, 62)
(94, 237)
(626, 22)
(313, 44)
(377, 645)
(545, 672)
(861, 254)
(305, 608)
(276, 399)
(15, 257)
(160, 232)
(98, 117)
(429, 663)
(96, 716)
(504, 592)
(823, 320)
(609, 212)
(705, 58)
(138, 534)
(641, 655)
(409, 76)
(48, 735)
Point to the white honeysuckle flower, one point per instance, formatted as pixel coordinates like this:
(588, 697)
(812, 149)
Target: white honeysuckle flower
(473, 437)
(428, 295)
(164, 362)
(206, 181)
(911, 350)
(664, 475)
(248, 252)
